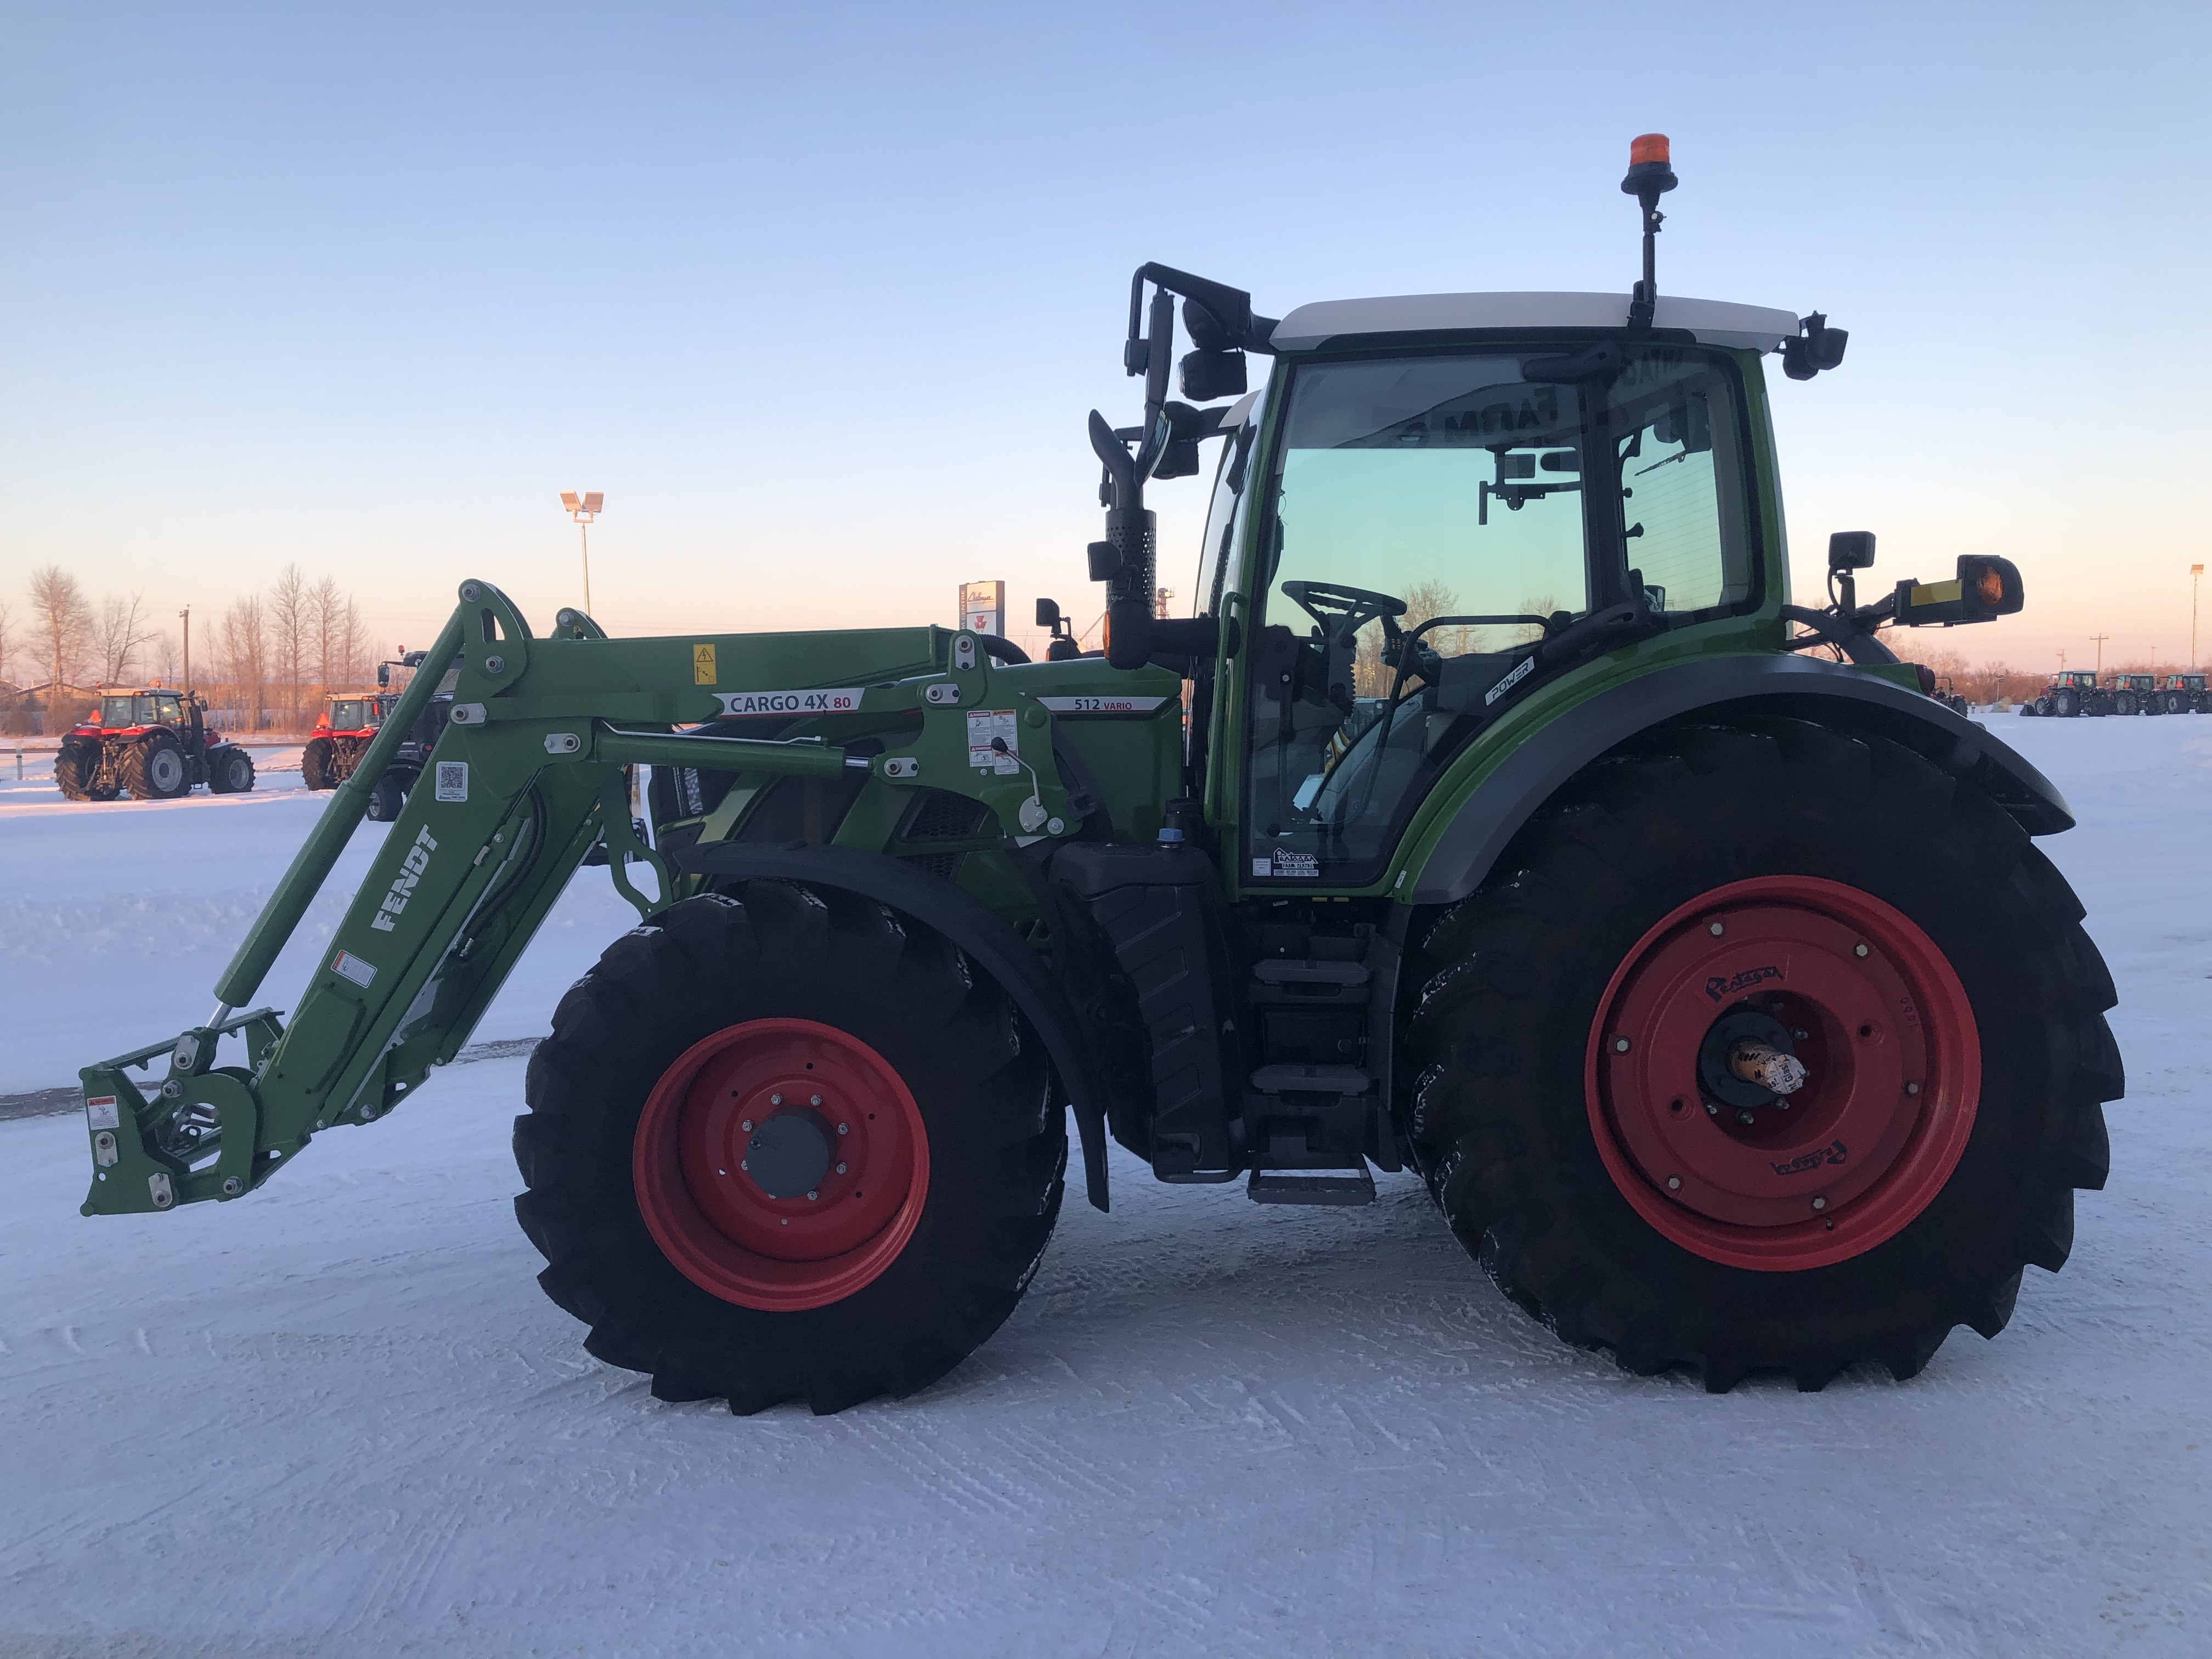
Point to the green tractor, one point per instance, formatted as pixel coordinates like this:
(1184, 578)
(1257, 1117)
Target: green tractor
(1496, 815)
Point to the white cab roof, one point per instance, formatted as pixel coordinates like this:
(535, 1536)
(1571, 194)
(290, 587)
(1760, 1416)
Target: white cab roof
(1715, 322)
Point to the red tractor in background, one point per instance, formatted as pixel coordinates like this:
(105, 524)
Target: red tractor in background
(343, 731)
(152, 742)
(2183, 694)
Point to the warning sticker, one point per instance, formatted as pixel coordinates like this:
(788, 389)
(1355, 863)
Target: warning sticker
(453, 781)
(102, 1112)
(346, 965)
(844, 700)
(986, 726)
(702, 664)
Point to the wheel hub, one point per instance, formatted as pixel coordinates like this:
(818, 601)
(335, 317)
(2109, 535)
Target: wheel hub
(1783, 1074)
(781, 1164)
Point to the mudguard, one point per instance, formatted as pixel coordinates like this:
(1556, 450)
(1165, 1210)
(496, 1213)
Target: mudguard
(1829, 693)
(968, 923)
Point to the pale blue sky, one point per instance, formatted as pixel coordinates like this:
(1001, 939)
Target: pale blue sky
(820, 296)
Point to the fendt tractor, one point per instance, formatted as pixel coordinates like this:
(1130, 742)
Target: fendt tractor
(153, 743)
(1497, 815)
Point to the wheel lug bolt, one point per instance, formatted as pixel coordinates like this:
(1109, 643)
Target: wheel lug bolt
(775, 1100)
(813, 1195)
(746, 1125)
(1674, 1183)
(1716, 928)
(843, 1128)
(1859, 950)
(1819, 1203)
(1745, 1118)
(1712, 1110)
(1799, 1032)
(1620, 1045)
(745, 1164)
(814, 1100)
(1912, 1088)
(840, 1169)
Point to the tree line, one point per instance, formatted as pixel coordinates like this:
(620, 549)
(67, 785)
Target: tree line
(265, 661)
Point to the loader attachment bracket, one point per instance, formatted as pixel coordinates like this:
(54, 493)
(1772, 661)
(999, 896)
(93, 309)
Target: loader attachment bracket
(618, 833)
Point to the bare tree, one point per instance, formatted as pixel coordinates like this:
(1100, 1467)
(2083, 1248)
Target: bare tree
(325, 618)
(242, 644)
(163, 655)
(290, 622)
(124, 627)
(64, 625)
(352, 646)
(4, 616)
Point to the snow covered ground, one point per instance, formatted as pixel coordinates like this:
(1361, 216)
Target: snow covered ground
(337, 1419)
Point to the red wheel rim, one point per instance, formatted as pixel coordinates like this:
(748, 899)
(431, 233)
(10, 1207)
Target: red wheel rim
(1889, 1044)
(732, 1237)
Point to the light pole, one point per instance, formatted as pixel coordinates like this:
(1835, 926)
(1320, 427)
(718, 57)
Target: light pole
(2101, 639)
(187, 613)
(2196, 577)
(583, 508)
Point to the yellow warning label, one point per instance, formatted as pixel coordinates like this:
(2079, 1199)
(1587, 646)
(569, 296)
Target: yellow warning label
(702, 664)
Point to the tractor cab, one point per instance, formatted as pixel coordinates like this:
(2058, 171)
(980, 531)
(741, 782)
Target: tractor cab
(353, 714)
(132, 712)
(2076, 679)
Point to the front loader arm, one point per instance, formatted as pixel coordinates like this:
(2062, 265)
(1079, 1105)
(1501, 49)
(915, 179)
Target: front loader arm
(527, 773)
(504, 812)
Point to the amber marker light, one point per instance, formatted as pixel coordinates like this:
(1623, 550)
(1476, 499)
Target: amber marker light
(1650, 147)
(1991, 588)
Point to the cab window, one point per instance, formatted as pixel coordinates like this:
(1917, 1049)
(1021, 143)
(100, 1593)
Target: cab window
(1430, 518)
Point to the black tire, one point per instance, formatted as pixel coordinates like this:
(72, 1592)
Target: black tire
(2125, 703)
(386, 798)
(2066, 704)
(2175, 703)
(75, 770)
(155, 769)
(315, 770)
(998, 1150)
(1514, 977)
(229, 769)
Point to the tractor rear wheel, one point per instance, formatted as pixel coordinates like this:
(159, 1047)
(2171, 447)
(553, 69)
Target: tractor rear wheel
(1602, 1106)
(315, 765)
(75, 774)
(156, 771)
(789, 1145)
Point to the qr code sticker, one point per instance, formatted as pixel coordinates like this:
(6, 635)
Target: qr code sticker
(452, 780)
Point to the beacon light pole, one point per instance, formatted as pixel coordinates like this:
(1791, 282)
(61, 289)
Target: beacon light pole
(583, 508)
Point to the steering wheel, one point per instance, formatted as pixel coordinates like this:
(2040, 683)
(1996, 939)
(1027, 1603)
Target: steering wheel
(1343, 611)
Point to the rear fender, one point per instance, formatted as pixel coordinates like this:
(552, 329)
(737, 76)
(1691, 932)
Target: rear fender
(1829, 694)
(969, 924)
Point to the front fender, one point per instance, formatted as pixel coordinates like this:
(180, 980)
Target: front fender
(1827, 693)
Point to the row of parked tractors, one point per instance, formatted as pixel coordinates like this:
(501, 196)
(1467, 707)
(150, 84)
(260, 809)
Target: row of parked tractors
(152, 743)
(2079, 691)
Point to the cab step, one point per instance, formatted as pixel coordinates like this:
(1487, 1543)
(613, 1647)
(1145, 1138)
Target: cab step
(1311, 1185)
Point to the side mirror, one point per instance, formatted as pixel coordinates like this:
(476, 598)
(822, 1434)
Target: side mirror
(1849, 550)
(1048, 615)
(384, 673)
(1817, 347)
(1207, 375)
(1985, 588)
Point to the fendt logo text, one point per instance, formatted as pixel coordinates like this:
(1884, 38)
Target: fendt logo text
(410, 872)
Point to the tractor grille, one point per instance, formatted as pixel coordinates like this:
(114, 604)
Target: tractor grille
(944, 866)
(940, 815)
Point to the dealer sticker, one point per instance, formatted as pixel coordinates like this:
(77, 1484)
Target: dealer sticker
(1300, 867)
(986, 725)
(844, 700)
(453, 781)
(346, 965)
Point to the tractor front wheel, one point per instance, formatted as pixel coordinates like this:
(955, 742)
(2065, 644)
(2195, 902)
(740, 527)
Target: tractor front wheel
(788, 1145)
(315, 765)
(1766, 1050)
(230, 770)
(386, 798)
